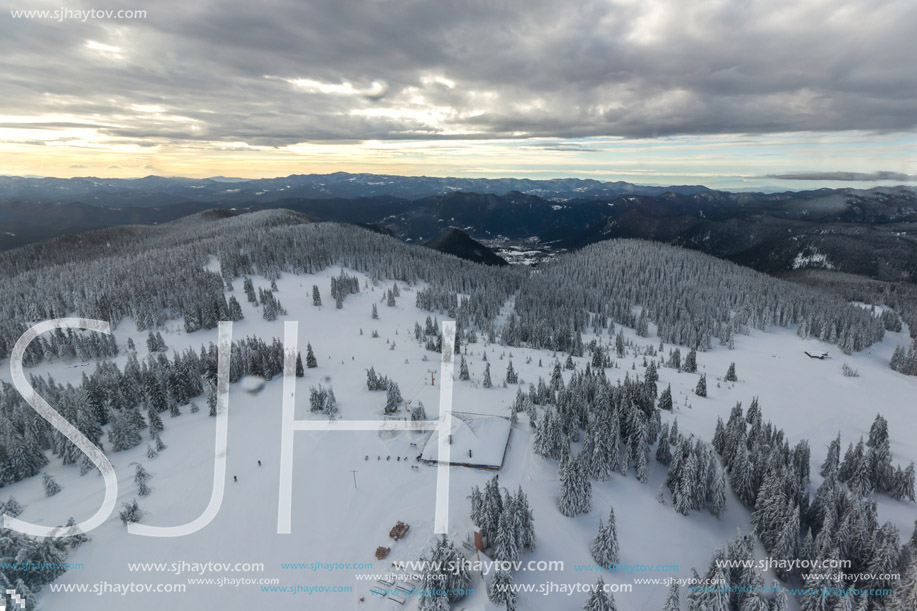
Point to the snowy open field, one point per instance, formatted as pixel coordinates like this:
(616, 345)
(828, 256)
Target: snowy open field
(336, 521)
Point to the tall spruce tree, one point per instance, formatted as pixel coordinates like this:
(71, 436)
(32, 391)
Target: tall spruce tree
(141, 477)
(500, 590)
(600, 600)
(575, 487)
(605, 545)
(701, 389)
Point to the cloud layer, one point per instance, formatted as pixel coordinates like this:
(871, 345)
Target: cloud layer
(281, 72)
(846, 176)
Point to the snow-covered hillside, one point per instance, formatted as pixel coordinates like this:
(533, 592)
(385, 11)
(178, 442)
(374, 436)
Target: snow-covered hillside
(350, 488)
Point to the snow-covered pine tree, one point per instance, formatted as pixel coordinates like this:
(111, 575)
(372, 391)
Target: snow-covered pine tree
(330, 407)
(131, 512)
(663, 450)
(418, 412)
(731, 373)
(50, 485)
(435, 602)
(11, 507)
(249, 288)
(477, 507)
(665, 399)
(524, 520)
(701, 389)
(463, 370)
(141, 477)
(577, 348)
(600, 600)
(904, 483)
(718, 492)
(641, 450)
(575, 487)
(557, 378)
(598, 357)
(605, 545)
(505, 547)
(904, 597)
(316, 296)
(780, 601)
(235, 310)
(511, 377)
(123, 431)
(444, 572)
(671, 599)
(600, 465)
(317, 396)
(675, 359)
(652, 373)
(500, 590)
(211, 398)
(488, 383)
(393, 394)
(311, 361)
(492, 509)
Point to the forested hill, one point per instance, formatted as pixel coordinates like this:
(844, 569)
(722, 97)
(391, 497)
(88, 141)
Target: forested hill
(154, 274)
(456, 242)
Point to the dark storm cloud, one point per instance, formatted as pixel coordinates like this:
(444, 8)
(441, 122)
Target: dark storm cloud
(846, 176)
(280, 72)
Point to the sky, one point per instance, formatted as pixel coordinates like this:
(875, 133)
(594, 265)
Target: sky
(728, 93)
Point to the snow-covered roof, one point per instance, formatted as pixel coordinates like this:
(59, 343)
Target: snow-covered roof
(485, 436)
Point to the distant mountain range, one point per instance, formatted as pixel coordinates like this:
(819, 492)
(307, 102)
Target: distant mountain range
(158, 191)
(868, 232)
